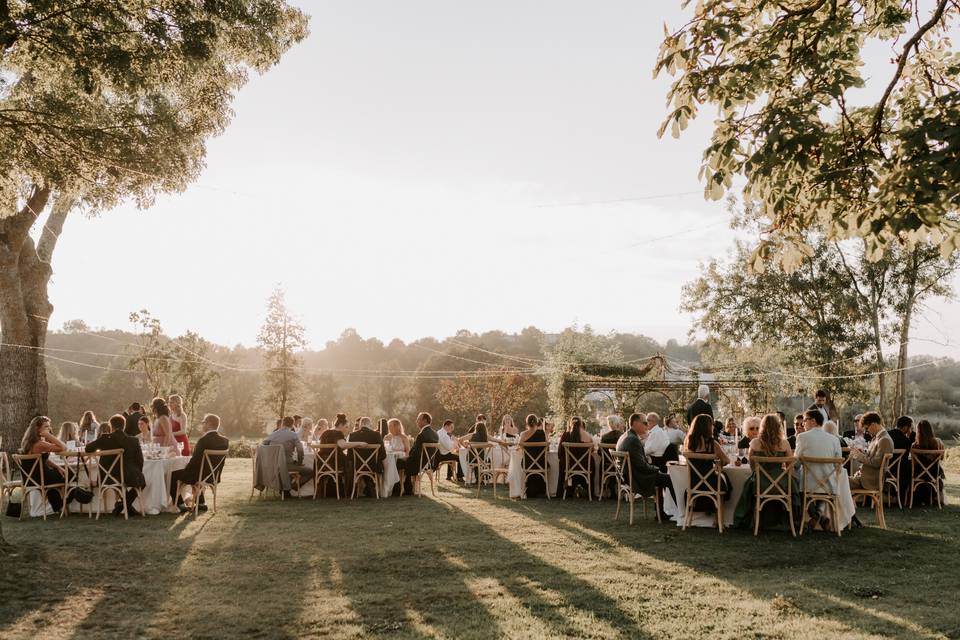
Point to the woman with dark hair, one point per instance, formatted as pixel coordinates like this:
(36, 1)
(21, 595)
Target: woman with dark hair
(39, 439)
(536, 487)
(162, 427)
(338, 436)
(926, 441)
(701, 439)
(576, 433)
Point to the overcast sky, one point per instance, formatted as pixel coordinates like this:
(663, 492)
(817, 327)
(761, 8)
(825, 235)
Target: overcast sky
(414, 168)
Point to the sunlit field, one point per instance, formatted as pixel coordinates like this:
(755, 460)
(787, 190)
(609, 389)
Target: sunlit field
(456, 566)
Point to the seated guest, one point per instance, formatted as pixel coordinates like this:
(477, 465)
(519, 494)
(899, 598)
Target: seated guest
(730, 429)
(211, 440)
(769, 442)
(88, 427)
(534, 433)
(366, 435)
(701, 405)
(305, 432)
(448, 449)
(481, 417)
(143, 424)
(702, 439)
(718, 428)
(751, 429)
(39, 439)
(426, 435)
(614, 430)
(286, 437)
(831, 427)
(162, 430)
(397, 441)
(479, 434)
(869, 475)
(902, 434)
(322, 425)
(926, 441)
(382, 428)
(675, 434)
(69, 432)
(576, 433)
(338, 435)
(112, 436)
(788, 429)
(646, 478)
(858, 431)
(508, 430)
(656, 441)
(798, 427)
(814, 442)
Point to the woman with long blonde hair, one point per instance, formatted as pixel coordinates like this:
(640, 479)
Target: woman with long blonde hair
(162, 428)
(178, 422)
(89, 427)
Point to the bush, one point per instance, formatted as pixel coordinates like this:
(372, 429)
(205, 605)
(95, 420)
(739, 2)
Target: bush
(242, 448)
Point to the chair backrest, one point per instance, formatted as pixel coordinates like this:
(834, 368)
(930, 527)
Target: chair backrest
(607, 462)
(773, 476)
(109, 467)
(4, 468)
(816, 475)
(925, 464)
(31, 469)
(534, 456)
(212, 465)
(365, 459)
(577, 456)
(326, 460)
(703, 471)
(429, 454)
(892, 472)
(624, 472)
(478, 454)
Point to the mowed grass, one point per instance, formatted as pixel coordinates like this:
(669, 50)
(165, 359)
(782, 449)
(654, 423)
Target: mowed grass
(460, 567)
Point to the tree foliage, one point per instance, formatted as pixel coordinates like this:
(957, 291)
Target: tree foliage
(786, 78)
(495, 391)
(194, 376)
(281, 338)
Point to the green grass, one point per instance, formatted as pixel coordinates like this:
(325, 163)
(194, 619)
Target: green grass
(460, 567)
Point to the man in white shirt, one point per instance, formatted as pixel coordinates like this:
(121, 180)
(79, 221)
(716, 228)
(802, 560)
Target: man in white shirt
(448, 449)
(814, 442)
(657, 441)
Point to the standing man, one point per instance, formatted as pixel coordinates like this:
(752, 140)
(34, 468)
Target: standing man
(700, 405)
(132, 417)
(820, 404)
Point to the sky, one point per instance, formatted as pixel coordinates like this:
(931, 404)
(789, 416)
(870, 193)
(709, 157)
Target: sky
(417, 168)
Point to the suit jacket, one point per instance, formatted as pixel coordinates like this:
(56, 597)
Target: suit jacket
(370, 436)
(132, 427)
(427, 435)
(644, 473)
(699, 406)
(900, 440)
(611, 437)
(817, 443)
(132, 456)
(870, 465)
(210, 441)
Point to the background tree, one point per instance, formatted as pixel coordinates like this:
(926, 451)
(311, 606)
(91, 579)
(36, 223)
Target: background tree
(89, 121)
(281, 338)
(786, 78)
(194, 376)
(151, 353)
(323, 399)
(574, 347)
(494, 391)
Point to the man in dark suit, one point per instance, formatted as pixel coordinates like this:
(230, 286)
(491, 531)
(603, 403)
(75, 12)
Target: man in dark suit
(700, 405)
(903, 436)
(367, 435)
(646, 478)
(612, 436)
(427, 435)
(211, 440)
(112, 436)
(132, 420)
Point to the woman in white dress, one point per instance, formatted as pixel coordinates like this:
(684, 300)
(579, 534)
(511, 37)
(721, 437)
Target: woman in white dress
(396, 440)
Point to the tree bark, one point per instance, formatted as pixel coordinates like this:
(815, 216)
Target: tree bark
(900, 389)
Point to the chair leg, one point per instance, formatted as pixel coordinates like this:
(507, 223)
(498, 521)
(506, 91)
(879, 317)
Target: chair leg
(793, 529)
(616, 516)
(756, 516)
(632, 504)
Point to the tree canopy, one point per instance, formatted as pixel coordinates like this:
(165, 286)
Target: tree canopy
(796, 121)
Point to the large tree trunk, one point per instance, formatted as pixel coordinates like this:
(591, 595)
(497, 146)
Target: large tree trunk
(24, 311)
(900, 390)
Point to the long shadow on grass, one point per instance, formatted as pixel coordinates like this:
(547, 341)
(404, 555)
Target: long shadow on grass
(882, 582)
(449, 574)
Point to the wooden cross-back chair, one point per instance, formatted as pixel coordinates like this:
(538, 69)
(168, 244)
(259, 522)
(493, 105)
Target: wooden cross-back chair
(253, 480)
(925, 464)
(7, 484)
(31, 468)
(429, 454)
(110, 478)
(533, 461)
(770, 474)
(891, 477)
(326, 464)
(845, 452)
(822, 493)
(876, 495)
(210, 469)
(706, 484)
(479, 464)
(73, 472)
(365, 466)
(503, 469)
(608, 466)
(577, 458)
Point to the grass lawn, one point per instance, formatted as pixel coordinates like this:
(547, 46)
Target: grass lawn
(460, 567)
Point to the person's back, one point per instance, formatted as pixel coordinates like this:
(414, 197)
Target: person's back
(817, 443)
(287, 439)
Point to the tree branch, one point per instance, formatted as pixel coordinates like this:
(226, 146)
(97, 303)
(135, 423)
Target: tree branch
(53, 227)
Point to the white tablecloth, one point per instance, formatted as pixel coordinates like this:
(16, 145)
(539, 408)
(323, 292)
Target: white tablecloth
(389, 477)
(155, 494)
(497, 461)
(737, 477)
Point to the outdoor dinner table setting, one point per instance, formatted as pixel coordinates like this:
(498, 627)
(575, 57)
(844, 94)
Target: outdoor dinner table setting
(389, 477)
